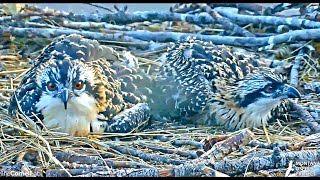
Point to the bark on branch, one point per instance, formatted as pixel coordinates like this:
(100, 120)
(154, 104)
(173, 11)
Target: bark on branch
(140, 36)
(271, 20)
(274, 161)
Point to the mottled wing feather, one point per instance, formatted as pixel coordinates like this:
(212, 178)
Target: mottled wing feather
(27, 95)
(108, 89)
(192, 66)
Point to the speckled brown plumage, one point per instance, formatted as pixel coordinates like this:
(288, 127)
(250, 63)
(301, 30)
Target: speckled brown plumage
(69, 60)
(211, 84)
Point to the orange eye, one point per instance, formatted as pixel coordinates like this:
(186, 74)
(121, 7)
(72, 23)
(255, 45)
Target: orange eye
(269, 89)
(51, 87)
(78, 85)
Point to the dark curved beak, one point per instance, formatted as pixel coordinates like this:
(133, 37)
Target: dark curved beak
(65, 97)
(290, 91)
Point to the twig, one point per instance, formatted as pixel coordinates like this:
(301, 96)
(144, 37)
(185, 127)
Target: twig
(236, 30)
(188, 154)
(294, 74)
(271, 20)
(99, 172)
(47, 151)
(143, 155)
(82, 159)
(9, 58)
(305, 116)
(281, 7)
(178, 142)
(281, 145)
(13, 71)
(19, 16)
(191, 7)
(91, 4)
(109, 163)
(241, 6)
(88, 25)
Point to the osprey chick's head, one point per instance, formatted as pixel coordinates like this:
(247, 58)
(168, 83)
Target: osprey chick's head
(263, 88)
(65, 79)
(249, 102)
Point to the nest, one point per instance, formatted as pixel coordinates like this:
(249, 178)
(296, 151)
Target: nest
(163, 148)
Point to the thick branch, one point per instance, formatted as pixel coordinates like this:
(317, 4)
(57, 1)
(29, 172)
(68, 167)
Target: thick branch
(271, 20)
(134, 36)
(241, 6)
(120, 18)
(183, 170)
(255, 164)
(227, 24)
(298, 35)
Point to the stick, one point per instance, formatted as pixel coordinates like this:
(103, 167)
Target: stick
(143, 155)
(119, 18)
(281, 145)
(294, 75)
(271, 20)
(297, 35)
(184, 170)
(140, 36)
(241, 6)
(9, 58)
(109, 163)
(255, 164)
(236, 30)
(100, 172)
(191, 7)
(88, 25)
(305, 116)
(188, 154)
(281, 7)
(82, 159)
(50, 33)
(177, 142)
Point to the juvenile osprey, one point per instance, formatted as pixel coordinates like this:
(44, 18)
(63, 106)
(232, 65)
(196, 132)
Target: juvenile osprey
(75, 84)
(200, 81)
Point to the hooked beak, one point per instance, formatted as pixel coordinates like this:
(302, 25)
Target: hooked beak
(290, 92)
(65, 97)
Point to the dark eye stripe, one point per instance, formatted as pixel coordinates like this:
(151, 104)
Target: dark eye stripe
(252, 97)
